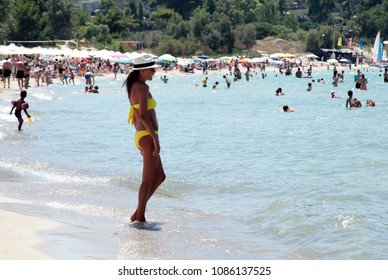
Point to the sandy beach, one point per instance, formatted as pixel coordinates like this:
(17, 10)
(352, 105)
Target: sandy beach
(20, 234)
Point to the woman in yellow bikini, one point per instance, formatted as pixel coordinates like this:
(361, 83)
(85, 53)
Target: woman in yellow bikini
(142, 115)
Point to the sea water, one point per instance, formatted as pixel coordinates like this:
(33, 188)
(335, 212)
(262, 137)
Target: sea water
(244, 180)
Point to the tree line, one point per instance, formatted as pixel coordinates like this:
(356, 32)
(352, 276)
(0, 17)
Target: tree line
(195, 26)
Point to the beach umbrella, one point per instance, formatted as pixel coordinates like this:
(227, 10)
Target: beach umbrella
(59, 58)
(288, 55)
(185, 61)
(346, 61)
(225, 58)
(132, 55)
(120, 56)
(124, 60)
(275, 62)
(310, 55)
(332, 60)
(276, 55)
(46, 58)
(243, 60)
(11, 49)
(152, 55)
(258, 59)
(198, 59)
(167, 57)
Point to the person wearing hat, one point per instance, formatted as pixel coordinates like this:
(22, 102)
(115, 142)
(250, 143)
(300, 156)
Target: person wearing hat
(143, 116)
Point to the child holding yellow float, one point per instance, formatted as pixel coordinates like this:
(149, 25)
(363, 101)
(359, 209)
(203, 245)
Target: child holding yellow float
(20, 105)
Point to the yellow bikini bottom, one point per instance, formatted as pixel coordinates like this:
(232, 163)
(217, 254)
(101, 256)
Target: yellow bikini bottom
(140, 134)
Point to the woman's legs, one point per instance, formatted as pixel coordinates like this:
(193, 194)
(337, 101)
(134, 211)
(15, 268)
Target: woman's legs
(153, 177)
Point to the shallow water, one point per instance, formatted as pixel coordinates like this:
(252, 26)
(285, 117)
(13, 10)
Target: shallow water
(244, 181)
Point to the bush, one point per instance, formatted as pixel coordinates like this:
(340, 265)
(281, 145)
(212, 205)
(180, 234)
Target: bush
(264, 30)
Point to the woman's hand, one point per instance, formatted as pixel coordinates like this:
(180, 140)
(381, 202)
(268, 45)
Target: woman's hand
(157, 148)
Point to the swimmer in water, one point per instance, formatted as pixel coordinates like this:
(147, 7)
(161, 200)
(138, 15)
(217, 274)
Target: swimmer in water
(287, 109)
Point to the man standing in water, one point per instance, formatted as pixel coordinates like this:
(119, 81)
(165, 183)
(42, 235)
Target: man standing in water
(20, 73)
(7, 71)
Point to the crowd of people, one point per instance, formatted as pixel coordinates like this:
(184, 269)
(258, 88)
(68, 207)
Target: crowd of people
(22, 70)
(360, 79)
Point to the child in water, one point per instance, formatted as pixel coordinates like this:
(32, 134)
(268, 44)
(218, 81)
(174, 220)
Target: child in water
(370, 103)
(19, 106)
(287, 109)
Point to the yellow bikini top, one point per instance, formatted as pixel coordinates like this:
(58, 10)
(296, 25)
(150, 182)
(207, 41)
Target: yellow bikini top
(151, 105)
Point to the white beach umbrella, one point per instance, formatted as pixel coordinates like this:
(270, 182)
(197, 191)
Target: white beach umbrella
(332, 60)
(258, 59)
(167, 57)
(132, 55)
(310, 55)
(276, 55)
(38, 50)
(184, 62)
(152, 55)
(10, 49)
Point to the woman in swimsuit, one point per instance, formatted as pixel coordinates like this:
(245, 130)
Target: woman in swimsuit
(143, 116)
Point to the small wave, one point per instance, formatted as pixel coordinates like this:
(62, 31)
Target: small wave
(46, 171)
(42, 96)
(346, 221)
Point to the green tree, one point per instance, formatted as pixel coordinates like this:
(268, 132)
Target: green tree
(133, 8)
(327, 36)
(213, 40)
(176, 26)
(6, 20)
(373, 20)
(290, 21)
(199, 21)
(319, 10)
(268, 12)
(184, 8)
(226, 29)
(282, 6)
(95, 33)
(161, 17)
(350, 8)
(245, 37)
(209, 6)
(111, 16)
(58, 18)
(28, 21)
(313, 41)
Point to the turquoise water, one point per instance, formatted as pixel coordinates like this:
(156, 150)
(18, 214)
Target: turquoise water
(244, 180)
